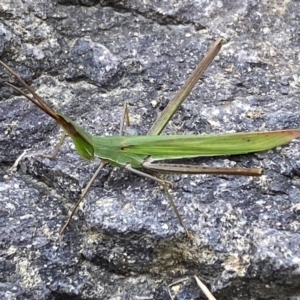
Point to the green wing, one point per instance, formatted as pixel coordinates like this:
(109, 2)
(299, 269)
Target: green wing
(134, 150)
(184, 146)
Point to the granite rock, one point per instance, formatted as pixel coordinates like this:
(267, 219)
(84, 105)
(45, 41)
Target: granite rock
(85, 58)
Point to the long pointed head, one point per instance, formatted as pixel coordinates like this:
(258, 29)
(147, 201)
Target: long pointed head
(82, 140)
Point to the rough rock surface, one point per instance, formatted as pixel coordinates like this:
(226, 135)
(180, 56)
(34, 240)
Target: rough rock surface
(86, 58)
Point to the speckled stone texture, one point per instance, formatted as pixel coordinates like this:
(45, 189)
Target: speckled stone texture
(86, 58)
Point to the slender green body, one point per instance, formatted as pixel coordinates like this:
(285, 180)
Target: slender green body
(134, 150)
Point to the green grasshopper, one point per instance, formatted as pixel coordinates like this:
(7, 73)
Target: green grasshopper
(146, 152)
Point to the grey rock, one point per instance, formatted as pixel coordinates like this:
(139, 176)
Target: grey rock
(85, 58)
